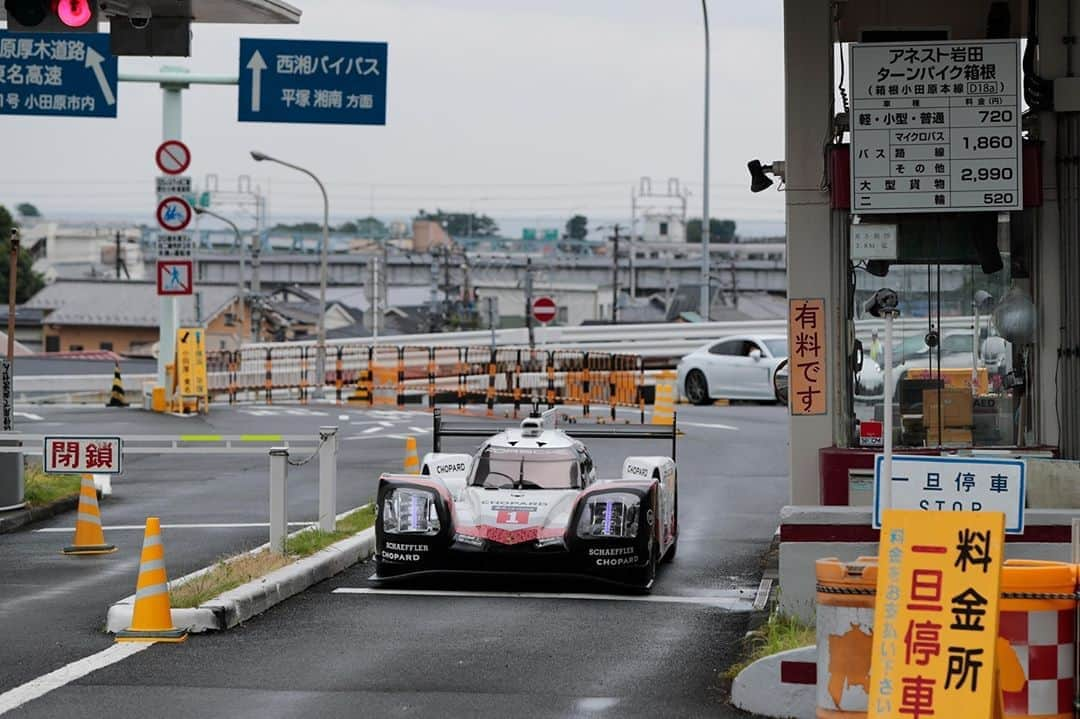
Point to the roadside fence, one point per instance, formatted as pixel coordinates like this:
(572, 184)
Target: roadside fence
(393, 375)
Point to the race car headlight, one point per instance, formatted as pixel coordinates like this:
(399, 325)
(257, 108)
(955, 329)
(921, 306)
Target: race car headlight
(611, 514)
(410, 511)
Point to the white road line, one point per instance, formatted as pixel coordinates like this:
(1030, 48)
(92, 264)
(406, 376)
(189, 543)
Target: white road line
(733, 600)
(28, 415)
(222, 525)
(15, 698)
(384, 423)
(371, 430)
(419, 430)
(708, 426)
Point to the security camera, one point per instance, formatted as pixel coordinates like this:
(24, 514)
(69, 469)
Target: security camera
(759, 179)
(883, 302)
(139, 17)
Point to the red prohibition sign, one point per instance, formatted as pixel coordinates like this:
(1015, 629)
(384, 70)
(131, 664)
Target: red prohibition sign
(173, 214)
(543, 309)
(173, 157)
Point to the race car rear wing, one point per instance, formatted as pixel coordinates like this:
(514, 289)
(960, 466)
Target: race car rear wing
(442, 428)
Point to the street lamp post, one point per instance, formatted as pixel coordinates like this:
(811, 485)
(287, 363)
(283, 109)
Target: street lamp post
(705, 225)
(320, 350)
(240, 294)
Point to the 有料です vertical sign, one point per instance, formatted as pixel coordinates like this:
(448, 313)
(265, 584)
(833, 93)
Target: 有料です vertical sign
(807, 370)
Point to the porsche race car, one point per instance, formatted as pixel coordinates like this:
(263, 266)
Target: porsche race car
(530, 501)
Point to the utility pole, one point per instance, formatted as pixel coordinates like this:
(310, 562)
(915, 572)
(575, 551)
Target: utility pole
(256, 288)
(119, 262)
(529, 303)
(615, 277)
(13, 278)
(734, 285)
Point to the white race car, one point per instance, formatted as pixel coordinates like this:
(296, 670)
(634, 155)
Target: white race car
(529, 501)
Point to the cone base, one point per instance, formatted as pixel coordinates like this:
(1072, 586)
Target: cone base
(89, 549)
(167, 636)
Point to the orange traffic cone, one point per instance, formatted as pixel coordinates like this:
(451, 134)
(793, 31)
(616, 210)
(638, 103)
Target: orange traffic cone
(89, 537)
(152, 619)
(412, 459)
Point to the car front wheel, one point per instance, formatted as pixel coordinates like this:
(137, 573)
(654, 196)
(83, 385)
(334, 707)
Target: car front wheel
(696, 388)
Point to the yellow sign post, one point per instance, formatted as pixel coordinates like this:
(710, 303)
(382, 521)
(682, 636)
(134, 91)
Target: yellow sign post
(936, 615)
(191, 366)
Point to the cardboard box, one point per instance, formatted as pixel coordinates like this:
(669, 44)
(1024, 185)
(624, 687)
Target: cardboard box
(955, 404)
(948, 436)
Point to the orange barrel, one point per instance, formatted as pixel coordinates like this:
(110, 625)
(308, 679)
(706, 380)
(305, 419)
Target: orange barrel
(1038, 621)
(845, 636)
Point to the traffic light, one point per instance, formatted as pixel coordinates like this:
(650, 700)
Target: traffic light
(51, 15)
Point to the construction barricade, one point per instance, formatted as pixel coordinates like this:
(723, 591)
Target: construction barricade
(1036, 647)
(845, 630)
(393, 376)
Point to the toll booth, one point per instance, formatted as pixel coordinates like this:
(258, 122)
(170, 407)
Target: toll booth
(931, 148)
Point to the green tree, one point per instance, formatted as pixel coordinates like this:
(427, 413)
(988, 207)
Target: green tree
(721, 230)
(25, 209)
(29, 282)
(299, 227)
(462, 224)
(372, 227)
(577, 227)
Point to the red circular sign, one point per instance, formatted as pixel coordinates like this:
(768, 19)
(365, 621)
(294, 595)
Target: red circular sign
(172, 157)
(543, 309)
(173, 214)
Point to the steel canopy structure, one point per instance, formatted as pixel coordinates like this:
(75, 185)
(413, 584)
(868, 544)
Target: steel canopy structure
(239, 12)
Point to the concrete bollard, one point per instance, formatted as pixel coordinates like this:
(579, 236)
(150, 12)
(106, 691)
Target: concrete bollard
(279, 523)
(328, 478)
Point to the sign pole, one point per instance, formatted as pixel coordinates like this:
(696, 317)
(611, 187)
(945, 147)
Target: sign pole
(886, 480)
(172, 129)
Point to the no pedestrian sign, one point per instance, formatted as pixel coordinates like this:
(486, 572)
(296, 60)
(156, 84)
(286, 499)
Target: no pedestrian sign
(174, 277)
(935, 127)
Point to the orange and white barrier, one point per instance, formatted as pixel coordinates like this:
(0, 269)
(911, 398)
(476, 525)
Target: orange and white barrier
(152, 617)
(89, 536)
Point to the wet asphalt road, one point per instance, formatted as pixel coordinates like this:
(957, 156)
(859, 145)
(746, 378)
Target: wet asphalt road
(412, 653)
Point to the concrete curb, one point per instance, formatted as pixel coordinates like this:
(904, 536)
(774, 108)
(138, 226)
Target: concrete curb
(236, 606)
(763, 689)
(19, 518)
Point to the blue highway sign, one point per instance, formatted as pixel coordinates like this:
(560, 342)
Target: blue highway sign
(312, 81)
(62, 74)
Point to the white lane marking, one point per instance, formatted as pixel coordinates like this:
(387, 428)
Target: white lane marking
(343, 417)
(222, 525)
(419, 430)
(386, 424)
(29, 415)
(708, 426)
(371, 430)
(735, 599)
(15, 698)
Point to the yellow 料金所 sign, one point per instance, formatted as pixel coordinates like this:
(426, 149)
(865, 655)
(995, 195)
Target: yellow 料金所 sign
(936, 615)
(807, 369)
(191, 361)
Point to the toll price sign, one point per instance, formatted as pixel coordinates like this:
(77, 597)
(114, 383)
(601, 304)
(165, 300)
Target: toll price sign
(77, 455)
(935, 127)
(954, 484)
(936, 617)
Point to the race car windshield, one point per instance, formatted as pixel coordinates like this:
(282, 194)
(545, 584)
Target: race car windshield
(499, 468)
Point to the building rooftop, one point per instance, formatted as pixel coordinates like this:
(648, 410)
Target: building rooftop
(123, 303)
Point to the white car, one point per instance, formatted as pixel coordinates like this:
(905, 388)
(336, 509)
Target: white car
(530, 500)
(737, 367)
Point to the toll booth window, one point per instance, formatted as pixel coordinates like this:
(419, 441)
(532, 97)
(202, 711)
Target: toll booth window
(956, 380)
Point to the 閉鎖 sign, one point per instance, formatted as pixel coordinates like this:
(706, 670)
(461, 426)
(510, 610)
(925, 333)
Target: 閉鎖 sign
(807, 370)
(936, 615)
(78, 455)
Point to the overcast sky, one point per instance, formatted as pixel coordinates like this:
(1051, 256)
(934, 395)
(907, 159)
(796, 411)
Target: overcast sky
(516, 108)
